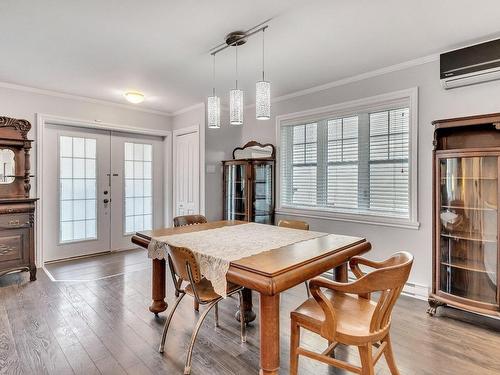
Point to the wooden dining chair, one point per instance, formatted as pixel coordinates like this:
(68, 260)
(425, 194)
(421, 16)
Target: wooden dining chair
(182, 221)
(344, 313)
(296, 224)
(185, 268)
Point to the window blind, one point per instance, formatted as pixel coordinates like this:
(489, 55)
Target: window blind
(355, 164)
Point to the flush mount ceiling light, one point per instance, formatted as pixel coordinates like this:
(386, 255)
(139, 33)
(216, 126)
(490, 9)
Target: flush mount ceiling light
(134, 97)
(236, 102)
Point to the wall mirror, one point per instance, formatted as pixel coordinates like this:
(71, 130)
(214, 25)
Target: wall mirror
(254, 150)
(7, 166)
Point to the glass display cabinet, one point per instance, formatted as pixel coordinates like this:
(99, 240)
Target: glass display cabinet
(249, 184)
(466, 252)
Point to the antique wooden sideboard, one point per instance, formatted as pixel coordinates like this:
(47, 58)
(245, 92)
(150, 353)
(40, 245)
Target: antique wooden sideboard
(17, 209)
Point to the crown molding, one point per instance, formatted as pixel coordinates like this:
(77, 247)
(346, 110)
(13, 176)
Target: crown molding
(187, 109)
(355, 78)
(87, 99)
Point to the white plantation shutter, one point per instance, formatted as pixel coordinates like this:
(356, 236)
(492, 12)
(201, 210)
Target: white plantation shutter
(351, 164)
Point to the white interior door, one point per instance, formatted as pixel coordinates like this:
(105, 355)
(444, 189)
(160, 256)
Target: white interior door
(76, 216)
(137, 183)
(186, 173)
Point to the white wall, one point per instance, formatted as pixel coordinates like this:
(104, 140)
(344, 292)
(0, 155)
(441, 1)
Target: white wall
(434, 103)
(26, 105)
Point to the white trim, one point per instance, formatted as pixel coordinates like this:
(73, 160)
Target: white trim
(200, 130)
(67, 121)
(356, 78)
(41, 121)
(187, 109)
(350, 107)
(410, 289)
(352, 218)
(87, 99)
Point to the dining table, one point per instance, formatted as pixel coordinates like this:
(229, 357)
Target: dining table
(268, 273)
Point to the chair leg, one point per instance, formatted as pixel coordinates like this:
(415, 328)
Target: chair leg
(389, 356)
(216, 311)
(167, 323)
(365, 354)
(307, 289)
(187, 367)
(196, 305)
(294, 345)
(243, 324)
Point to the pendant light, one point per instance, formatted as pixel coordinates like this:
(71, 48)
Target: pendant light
(236, 100)
(263, 93)
(213, 106)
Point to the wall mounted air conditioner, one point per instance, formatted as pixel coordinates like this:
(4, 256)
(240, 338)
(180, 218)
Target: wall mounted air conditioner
(471, 65)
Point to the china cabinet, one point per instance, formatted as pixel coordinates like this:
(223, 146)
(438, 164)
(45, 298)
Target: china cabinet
(466, 196)
(249, 184)
(17, 209)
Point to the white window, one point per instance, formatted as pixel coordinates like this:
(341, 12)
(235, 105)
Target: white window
(138, 187)
(355, 161)
(77, 189)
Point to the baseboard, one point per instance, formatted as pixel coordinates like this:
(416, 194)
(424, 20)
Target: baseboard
(410, 289)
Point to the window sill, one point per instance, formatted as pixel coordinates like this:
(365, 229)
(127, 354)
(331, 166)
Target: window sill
(352, 218)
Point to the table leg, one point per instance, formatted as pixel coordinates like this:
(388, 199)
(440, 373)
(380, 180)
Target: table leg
(158, 287)
(341, 274)
(269, 334)
(247, 306)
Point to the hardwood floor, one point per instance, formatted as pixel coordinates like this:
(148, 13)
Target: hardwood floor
(104, 327)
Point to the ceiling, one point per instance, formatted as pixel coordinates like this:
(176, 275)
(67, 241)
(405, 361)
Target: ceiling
(102, 48)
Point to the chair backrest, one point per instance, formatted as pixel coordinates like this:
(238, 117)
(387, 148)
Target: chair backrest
(181, 221)
(389, 279)
(294, 224)
(181, 258)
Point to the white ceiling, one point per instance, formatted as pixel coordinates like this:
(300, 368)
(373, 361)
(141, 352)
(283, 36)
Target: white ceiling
(101, 48)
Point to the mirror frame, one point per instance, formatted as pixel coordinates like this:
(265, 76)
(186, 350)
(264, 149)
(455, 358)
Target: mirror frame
(252, 144)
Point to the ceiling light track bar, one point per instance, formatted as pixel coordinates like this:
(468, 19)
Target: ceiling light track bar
(235, 42)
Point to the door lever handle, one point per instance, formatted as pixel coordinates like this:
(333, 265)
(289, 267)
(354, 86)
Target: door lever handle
(106, 201)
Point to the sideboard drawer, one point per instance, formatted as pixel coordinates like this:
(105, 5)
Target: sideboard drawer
(13, 245)
(14, 221)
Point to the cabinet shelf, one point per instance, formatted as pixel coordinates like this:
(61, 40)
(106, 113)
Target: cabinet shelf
(464, 266)
(454, 207)
(470, 178)
(468, 237)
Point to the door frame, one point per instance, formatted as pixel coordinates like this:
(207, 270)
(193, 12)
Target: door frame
(44, 119)
(201, 168)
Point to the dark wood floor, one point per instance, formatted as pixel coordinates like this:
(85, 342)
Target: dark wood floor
(104, 327)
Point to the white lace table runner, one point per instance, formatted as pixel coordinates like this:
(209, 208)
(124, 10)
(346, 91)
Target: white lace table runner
(214, 249)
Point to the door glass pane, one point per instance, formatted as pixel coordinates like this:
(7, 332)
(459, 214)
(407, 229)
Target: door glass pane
(235, 200)
(138, 191)
(263, 193)
(77, 189)
(468, 233)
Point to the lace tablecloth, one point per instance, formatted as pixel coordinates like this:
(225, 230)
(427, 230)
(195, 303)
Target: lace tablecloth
(216, 248)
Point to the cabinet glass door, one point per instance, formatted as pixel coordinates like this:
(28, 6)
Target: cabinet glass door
(263, 193)
(468, 227)
(235, 206)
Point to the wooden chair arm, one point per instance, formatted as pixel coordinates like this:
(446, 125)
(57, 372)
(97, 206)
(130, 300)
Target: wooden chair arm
(329, 327)
(358, 286)
(354, 263)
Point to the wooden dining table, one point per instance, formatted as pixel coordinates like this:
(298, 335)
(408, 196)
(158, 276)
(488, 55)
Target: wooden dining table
(269, 273)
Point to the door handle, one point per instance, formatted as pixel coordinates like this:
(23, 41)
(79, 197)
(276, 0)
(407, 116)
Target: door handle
(106, 201)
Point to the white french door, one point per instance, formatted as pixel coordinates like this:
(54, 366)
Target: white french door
(137, 186)
(99, 187)
(186, 173)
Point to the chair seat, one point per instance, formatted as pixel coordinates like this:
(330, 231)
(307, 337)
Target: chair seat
(352, 315)
(206, 292)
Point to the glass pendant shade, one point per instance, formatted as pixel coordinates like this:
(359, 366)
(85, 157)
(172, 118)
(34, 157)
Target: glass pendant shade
(213, 109)
(236, 107)
(263, 100)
